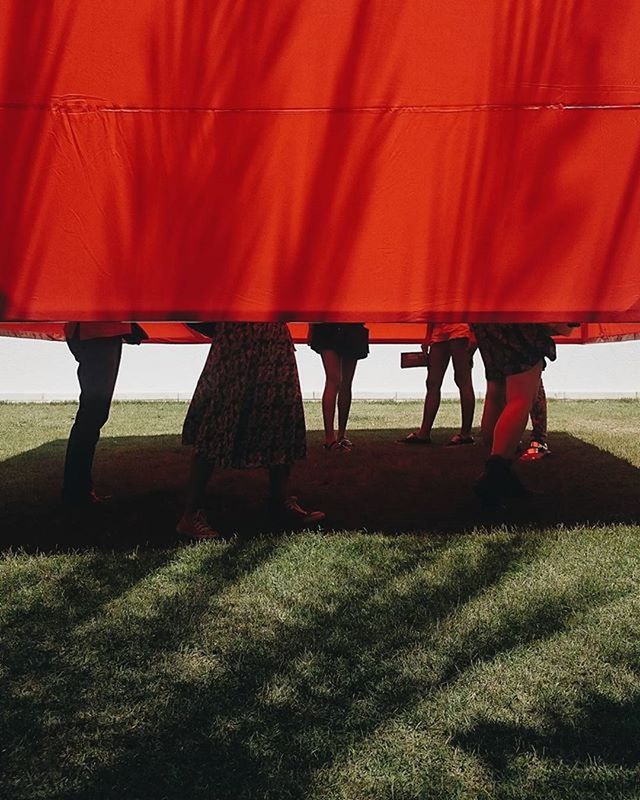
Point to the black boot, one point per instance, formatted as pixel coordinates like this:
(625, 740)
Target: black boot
(498, 482)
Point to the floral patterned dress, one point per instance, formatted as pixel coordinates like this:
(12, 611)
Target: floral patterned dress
(247, 411)
(512, 348)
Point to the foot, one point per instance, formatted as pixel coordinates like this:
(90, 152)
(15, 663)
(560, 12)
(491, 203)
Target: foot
(415, 438)
(535, 451)
(88, 500)
(345, 444)
(195, 526)
(333, 446)
(292, 514)
(459, 439)
(487, 492)
(498, 482)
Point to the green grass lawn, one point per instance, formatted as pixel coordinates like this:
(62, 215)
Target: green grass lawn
(413, 648)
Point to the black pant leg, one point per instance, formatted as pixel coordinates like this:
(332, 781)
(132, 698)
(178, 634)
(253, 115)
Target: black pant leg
(98, 364)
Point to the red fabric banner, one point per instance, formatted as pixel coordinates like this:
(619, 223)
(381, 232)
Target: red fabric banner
(381, 160)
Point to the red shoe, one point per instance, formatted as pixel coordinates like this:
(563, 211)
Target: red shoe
(535, 451)
(195, 527)
(291, 514)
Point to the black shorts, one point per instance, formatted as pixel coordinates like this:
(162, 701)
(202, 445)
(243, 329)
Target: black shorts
(347, 339)
(513, 348)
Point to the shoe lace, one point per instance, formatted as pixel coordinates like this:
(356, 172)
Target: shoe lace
(201, 526)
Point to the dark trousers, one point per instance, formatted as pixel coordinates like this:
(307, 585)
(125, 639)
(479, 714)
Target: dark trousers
(98, 364)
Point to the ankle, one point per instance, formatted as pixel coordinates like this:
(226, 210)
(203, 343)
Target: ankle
(496, 463)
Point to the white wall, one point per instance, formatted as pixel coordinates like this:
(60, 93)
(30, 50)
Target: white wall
(32, 369)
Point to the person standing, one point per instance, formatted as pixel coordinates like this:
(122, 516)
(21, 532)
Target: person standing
(341, 346)
(246, 413)
(97, 347)
(444, 343)
(514, 356)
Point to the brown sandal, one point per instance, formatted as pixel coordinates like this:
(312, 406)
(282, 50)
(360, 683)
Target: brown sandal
(458, 439)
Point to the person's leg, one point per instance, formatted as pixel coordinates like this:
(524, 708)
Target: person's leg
(331, 364)
(493, 407)
(98, 364)
(521, 390)
(348, 369)
(199, 474)
(537, 447)
(539, 416)
(278, 483)
(285, 508)
(439, 356)
(462, 365)
(193, 524)
(498, 480)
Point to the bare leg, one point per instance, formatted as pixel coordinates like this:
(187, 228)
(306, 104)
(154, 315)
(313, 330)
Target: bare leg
(439, 355)
(462, 363)
(521, 390)
(331, 363)
(348, 369)
(494, 404)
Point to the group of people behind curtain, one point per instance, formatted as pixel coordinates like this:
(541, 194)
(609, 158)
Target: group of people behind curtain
(247, 411)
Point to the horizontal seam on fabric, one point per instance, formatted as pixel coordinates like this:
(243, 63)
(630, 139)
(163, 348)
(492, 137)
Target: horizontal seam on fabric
(78, 107)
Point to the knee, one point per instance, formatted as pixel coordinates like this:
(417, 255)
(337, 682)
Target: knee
(331, 384)
(463, 381)
(93, 413)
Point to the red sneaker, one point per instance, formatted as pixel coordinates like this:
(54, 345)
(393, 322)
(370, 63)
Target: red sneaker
(535, 451)
(195, 527)
(292, 514)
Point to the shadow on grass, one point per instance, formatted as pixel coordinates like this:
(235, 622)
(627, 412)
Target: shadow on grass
(196, 674)
(381, 486)
(206, 679)
(605, 732)
(65, 649)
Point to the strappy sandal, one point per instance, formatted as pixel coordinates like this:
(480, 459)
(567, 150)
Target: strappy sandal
(413, 438)
(458, 439)
(333, 446)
